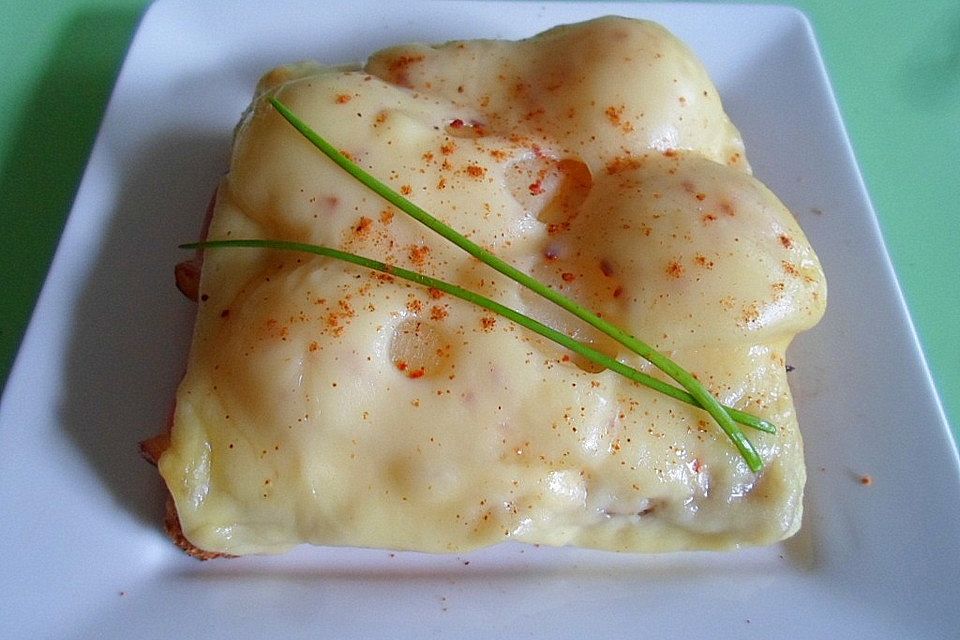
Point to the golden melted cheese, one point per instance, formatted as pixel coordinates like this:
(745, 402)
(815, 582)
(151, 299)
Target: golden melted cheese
(331, 405)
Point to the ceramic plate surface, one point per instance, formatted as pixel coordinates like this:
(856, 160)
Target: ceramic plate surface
(84, 554)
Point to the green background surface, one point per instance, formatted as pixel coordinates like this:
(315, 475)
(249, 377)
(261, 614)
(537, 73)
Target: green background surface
(895, 68)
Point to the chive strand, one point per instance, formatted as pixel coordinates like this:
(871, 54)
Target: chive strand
(598, 357)
(693, 386)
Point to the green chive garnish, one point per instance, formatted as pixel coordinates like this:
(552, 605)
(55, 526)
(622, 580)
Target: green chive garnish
(550, 333)
(693, 386)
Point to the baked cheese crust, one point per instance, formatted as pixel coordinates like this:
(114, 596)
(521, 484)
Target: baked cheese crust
(327, 404)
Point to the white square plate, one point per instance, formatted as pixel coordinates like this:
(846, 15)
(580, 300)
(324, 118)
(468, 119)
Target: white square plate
(83, 551)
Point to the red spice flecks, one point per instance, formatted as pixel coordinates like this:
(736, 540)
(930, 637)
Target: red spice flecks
(435, 293)
(438, 313)
(786, 241)
(618, 292)
(613, 114)
(401, 365)
(606, 268)
(406, 189)
(363, 226)
(417, 373)
(476, 171)
(534, 113)
(418, 254)
(790, 268)
(568, 277)
(488, 322)
(399, 68)
(386, 216)
(674, 269)
(343, 98)
(456, 123)
(702, 261)
(401, 62)
(623, 163)
(275, 329)
(751, 314)
(536, 188)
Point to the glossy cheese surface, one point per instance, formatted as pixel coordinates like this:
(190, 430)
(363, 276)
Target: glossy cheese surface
(327, 404)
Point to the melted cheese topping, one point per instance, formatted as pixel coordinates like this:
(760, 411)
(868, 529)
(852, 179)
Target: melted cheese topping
(327, 404)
